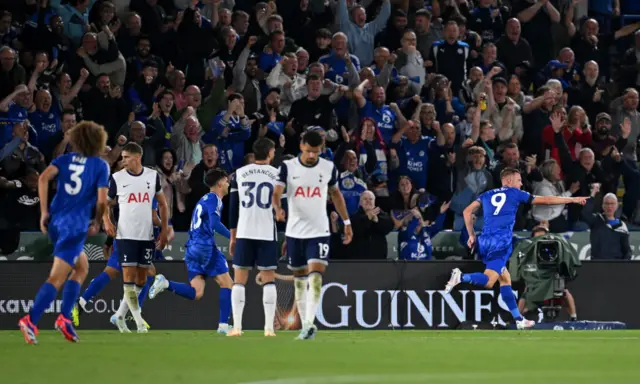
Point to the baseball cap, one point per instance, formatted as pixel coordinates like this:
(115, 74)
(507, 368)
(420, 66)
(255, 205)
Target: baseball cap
(555, 64)
(603, 116)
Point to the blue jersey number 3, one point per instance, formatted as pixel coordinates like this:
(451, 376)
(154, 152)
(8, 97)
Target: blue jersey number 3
(498, 201)
(74, 187)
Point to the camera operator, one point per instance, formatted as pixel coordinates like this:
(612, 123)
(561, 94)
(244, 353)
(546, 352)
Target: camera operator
(568, 301)
(609, 236)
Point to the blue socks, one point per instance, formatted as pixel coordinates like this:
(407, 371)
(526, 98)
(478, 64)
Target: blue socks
(70, 294)
(225, 305)
(44, 298)
(185, 290)
(510, 300)
(143, 293)
(479, 279)
(95, 286)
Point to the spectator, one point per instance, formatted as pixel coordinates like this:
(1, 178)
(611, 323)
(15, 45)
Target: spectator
(230, 130)
(415, 236)
(18, 154)
(14, 111)
(195, 175)
(171, 178)
(371, 225)
(536, 117)
(449, 57)
(609, 236)
(586, 171)
(410, 62)
(136, 131)
(413, 151)
(537, 17)
(502, 112)
(75, 16)
(12, 74)
(20, 209)
(103, 60)
(552, 216)
(474, 178)
(361, 34)
(60, 141)
(513, 49)
(428, 30)
(285, 77)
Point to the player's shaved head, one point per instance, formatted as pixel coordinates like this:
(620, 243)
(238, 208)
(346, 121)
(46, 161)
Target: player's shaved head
(88, 138)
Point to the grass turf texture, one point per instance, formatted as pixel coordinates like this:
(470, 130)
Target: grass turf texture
(427, 357)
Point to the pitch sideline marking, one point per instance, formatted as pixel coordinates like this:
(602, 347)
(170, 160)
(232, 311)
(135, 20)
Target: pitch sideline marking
(420, 378)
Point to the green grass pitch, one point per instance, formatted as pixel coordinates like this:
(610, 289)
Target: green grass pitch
(354, 357)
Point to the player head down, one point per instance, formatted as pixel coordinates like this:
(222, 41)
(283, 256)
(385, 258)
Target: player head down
(218, 181)
(264, 150)
(311, 147)
(511, 177)
(88, 138)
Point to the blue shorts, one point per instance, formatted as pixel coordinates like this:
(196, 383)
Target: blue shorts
(113, 261)
(494, 252)
(302, 252)
(67, 242)
(261, 253)
(205, 263)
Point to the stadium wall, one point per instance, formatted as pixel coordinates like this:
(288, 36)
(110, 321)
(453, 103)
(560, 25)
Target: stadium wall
(356, 295)
(35, 246)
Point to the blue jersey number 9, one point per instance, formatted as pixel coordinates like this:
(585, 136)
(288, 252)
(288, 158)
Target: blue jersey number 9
(498, 201)
(254, 195)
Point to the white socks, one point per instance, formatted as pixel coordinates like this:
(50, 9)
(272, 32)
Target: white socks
(269, 300)
(300, 284)
(123, 309)
(315, 289)
(237, 305)
(131, 296)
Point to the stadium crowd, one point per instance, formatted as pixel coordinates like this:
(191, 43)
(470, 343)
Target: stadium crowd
(421, 102)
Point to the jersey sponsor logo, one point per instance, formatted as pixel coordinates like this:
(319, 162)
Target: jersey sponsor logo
(139, 198)
(308, 192)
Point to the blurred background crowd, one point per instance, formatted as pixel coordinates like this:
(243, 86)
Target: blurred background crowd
(421, 102)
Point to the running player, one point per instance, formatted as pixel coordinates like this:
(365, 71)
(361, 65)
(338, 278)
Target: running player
(309, 181)
(202, 256)
(113, 269)
(133, 189)
(82, 183)
(254, 240)
(499, 208)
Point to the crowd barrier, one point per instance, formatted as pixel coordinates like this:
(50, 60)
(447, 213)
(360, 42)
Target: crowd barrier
(356, 295)
(35, 246)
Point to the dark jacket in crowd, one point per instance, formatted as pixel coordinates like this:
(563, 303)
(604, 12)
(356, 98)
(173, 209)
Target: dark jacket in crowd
(609, 240)
(369, 238)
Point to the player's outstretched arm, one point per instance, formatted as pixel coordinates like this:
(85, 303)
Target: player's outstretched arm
(43, 193)
(558, 200)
